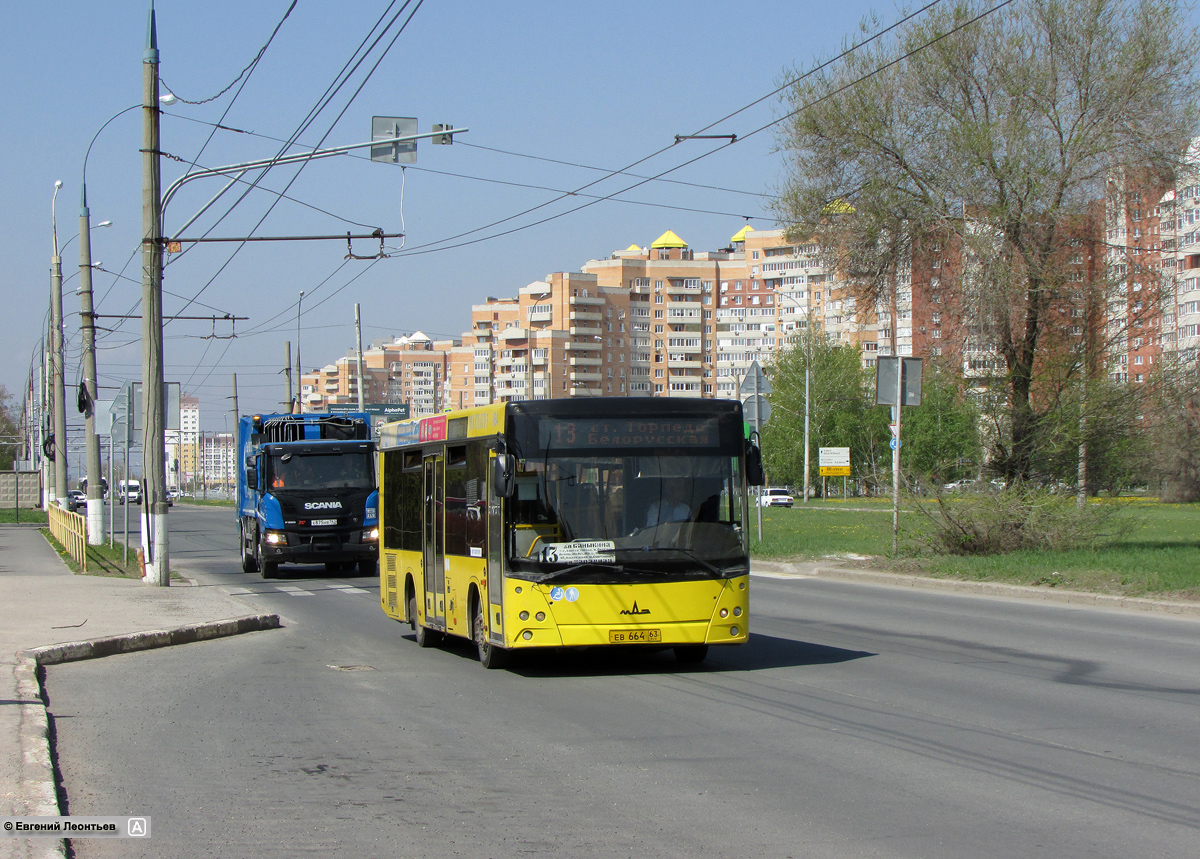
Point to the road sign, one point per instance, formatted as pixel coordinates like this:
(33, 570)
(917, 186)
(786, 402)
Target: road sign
(885, 382)
(754, 382)
(385, 127)
(756, 410)
(833, 457)
(894, 444)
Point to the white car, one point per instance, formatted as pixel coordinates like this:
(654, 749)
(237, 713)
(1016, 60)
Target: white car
(775, 498)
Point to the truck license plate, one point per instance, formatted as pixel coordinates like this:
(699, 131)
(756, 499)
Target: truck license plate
(323, 522)
(634, 636)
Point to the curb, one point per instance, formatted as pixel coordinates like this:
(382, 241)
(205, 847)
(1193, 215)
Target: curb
(76, 650)
(38, 782)
(994, 589)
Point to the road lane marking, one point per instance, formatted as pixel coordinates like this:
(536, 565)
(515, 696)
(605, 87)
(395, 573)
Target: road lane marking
(293, 591)
(344, 588)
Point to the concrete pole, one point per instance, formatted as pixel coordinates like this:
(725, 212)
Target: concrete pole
(896, 453)
(95, 494)
(56, 367)
(358, 340)
(43, 426)
(155, 542)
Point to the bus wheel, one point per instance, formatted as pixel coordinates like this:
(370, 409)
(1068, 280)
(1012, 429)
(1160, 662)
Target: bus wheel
(490, 656)
(691, 654)
(425, 637)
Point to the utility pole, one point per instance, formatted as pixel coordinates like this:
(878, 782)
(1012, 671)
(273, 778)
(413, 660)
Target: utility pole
(358, 340)
(95, 494)
(155, 537)
(287, 370)
(235, 402)
(56, 365)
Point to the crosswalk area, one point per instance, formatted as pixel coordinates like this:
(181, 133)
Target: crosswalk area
(308, 589)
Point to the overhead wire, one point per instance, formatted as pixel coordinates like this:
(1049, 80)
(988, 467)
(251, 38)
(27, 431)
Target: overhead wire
(340, 80)
(439, 245)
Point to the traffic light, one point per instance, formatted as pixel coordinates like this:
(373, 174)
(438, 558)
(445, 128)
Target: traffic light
(446, 139)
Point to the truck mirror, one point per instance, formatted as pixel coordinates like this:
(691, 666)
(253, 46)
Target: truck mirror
(754, 466)
(504, 475)
(252, 477)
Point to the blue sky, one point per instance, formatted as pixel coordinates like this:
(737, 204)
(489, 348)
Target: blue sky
(600, 84)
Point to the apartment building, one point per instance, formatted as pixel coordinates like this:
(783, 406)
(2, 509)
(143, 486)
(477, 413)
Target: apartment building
(409, 369)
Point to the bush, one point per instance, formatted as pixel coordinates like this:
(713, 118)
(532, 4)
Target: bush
(1022, 517)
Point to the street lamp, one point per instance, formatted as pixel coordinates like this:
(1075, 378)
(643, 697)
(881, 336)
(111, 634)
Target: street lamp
(807, 364)
(59, 492)
(299, 365)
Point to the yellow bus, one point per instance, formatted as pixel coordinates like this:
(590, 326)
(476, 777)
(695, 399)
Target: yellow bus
(569, 523)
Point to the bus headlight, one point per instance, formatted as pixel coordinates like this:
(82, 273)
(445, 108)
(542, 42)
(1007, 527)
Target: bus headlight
(370, 535)
(276, 538)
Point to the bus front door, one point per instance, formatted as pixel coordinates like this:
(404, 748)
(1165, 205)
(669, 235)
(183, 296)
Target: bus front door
(434, 538)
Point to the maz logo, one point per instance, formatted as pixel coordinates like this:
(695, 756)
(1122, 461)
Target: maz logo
(635, 610)
(323, 505)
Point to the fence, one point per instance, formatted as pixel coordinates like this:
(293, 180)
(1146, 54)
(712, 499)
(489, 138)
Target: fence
(70, 529)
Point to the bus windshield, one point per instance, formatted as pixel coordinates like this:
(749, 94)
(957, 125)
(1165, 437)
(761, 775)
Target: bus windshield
(621, 515)
(320, 472)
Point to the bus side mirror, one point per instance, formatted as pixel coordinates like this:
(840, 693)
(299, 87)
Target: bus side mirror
(252, 477)
(504, 475)
(754, 466)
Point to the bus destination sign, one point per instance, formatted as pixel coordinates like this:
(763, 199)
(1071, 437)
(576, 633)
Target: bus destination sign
(625, 433)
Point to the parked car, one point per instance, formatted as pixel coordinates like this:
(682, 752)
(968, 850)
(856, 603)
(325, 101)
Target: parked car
(964, 485)
(773, 497)
(76, 498)
(172, 494)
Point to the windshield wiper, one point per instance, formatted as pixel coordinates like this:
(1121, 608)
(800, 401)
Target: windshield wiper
(549, 577)
(716, 573)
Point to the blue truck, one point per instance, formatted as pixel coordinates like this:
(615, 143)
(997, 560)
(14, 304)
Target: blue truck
(307, 492)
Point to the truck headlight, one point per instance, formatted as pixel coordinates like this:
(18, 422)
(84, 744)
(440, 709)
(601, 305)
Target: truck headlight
(276, 538)
(370, 535)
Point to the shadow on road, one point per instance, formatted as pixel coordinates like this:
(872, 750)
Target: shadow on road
(760, 653)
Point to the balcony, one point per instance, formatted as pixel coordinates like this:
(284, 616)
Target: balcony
(541, 314)
(587, 316)
(584, 361)
(581, 391)
(586, 301)
(586, 377)
(583, 347)
(584, 330)
(514, 334)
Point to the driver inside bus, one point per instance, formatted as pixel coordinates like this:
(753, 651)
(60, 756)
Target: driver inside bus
(672, 505)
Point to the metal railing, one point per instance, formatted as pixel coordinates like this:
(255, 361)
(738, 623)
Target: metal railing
(70, 529)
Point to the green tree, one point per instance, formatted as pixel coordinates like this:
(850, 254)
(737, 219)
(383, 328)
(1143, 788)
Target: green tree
(1000, 132)
(941, 436)
(8, 431)
(841, 410)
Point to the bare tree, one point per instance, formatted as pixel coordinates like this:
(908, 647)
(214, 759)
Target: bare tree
(1000, 128)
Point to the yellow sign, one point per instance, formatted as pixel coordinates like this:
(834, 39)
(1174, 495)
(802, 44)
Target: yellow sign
(835, 471)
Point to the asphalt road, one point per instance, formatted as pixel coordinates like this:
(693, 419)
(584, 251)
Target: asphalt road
(859, 722)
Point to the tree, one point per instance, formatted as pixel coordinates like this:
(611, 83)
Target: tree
(841, 411)
(1001, 130)
(941, 436)
(1174, 427)
(8, 431)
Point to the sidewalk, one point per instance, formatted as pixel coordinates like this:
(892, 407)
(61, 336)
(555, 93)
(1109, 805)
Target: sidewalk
(48, 615)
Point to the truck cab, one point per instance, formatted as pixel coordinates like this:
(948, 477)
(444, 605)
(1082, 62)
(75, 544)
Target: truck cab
(307, 493)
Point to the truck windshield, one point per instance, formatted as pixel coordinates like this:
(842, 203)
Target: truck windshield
(318, 472)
